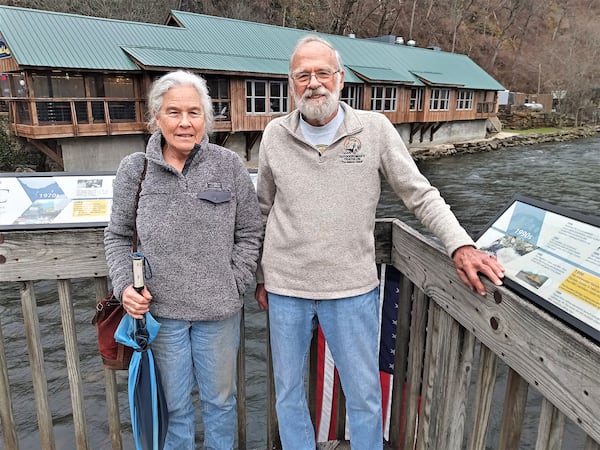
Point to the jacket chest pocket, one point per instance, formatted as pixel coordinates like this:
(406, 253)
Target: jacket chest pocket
(215, 197)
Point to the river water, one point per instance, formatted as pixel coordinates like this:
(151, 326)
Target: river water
(477, 186)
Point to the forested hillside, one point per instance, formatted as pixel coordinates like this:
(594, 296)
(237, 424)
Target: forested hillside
(527, 45)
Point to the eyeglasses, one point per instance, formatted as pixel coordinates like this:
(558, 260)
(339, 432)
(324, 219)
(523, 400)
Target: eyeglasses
(322, 76)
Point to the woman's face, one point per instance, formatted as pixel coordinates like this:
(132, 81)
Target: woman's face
(181, 118)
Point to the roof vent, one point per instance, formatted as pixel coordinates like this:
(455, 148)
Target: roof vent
(351, 35)
(411, 42)
(399, 40)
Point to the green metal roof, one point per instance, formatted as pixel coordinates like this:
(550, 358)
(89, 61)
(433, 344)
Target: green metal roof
(66, 41)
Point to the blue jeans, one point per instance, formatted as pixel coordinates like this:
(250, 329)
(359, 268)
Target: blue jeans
(351, 327)
(204, 352)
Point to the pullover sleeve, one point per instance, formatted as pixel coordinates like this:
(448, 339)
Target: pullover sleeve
(419, 196)
(248, 228)
(119, 232)
(265, 190)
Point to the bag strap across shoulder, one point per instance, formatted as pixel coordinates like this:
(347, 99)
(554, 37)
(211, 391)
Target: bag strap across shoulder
(134, 239)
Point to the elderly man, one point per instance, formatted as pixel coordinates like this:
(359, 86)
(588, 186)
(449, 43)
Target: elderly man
(318, 188)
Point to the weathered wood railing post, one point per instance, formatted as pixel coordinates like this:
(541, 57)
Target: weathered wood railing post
(36, 361)
(110, 381)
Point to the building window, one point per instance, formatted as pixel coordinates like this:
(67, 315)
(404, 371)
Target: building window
(464, 100)
(416, 99)
(218, 88)
(278, 96)
(384, 98)
(259, 93)
(439, 100)
(352, 95)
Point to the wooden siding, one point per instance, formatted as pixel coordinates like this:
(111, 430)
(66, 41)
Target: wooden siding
(240, 120)
(8, 65)
(50, 118)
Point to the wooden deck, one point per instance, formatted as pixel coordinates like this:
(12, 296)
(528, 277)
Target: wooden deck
(451, 345)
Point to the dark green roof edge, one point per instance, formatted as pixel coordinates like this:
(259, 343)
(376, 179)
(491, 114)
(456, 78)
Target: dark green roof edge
(67, 41)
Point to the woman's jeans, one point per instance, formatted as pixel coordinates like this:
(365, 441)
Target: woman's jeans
(351, 328)
(204, 352)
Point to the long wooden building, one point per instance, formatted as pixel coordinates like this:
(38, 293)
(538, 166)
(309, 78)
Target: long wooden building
(75, 86)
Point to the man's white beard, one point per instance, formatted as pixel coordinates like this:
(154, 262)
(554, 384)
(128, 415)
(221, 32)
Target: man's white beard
(321, 110)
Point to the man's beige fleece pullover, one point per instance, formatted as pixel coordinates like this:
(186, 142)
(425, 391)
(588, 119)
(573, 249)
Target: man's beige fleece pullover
(319, 209)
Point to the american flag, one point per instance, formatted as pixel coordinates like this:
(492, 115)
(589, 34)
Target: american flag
(327, 377)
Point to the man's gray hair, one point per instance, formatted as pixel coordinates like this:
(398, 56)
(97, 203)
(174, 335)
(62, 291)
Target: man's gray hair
(175, 79)
(314, 38)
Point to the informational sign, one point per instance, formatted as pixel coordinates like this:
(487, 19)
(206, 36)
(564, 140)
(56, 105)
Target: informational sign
(58, 200)
(552, 257)
(54, 200)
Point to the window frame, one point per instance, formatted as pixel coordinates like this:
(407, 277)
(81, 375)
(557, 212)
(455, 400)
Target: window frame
(352, 95)
(251, 98)
(464, 99)
(416, 100)
(440, 99)
(384, 98)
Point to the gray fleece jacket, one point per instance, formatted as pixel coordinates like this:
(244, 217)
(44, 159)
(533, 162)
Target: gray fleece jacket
(319, 209)
(200, 230)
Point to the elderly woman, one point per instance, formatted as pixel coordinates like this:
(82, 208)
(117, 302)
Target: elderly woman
(200, 229)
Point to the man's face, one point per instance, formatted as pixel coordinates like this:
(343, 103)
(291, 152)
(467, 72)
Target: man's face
(317, 97)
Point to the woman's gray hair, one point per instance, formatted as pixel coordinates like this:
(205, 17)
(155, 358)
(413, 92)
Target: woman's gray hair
(313, 38)
(175, 79)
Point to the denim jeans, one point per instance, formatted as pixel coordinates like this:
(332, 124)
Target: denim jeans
(351, 328)
(204, 352)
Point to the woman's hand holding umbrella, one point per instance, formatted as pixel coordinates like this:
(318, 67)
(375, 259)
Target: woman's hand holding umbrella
(136, 304)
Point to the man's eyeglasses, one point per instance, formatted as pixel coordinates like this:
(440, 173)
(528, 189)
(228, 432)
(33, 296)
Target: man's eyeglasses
(322, 76)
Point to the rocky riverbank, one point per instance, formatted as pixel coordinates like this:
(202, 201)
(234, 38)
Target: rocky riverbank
(498, 141)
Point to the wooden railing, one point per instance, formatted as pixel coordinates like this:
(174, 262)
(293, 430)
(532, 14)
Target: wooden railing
(39, 118)
(451, 345)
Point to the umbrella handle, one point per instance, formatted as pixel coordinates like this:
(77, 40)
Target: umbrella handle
(138, 281)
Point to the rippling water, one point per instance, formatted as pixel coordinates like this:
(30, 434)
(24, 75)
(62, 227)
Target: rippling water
(477, 186)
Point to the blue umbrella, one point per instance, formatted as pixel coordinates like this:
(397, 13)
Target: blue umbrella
(146, 397)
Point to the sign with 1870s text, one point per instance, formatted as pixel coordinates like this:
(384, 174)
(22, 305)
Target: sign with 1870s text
(552, 257)
(42, 200)
(54, 200)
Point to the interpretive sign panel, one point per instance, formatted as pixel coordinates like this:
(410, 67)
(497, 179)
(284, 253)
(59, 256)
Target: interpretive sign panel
(552, 257)
(54, 200)
(46, 200)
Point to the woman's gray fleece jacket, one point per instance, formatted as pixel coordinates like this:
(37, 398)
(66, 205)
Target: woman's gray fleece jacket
(200, 231)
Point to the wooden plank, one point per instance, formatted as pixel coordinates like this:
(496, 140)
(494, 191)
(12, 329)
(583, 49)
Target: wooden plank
(36, 361)
(404, 300)
(273, 440)
(7, 417)
(562, 364)
(110, 382)
(591, 444)
(445, 351)
(241, 385)
(383, 241)
(416, 351)
(72, 356)
(483, 398)
(52, 254)
(426, 427)
(550, 428)
(515, 400)
(456, 386)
